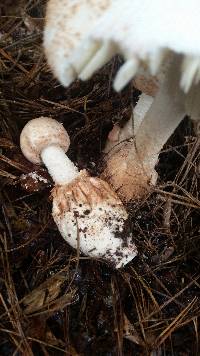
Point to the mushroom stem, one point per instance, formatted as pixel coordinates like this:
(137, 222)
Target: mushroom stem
(140, 110)
(164, 115)
(59, 166)
(118, 135)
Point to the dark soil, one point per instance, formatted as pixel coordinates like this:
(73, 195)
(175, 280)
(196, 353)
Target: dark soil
(51, 301)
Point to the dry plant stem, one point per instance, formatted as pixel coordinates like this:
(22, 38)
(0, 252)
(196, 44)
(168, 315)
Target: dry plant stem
(137, 158)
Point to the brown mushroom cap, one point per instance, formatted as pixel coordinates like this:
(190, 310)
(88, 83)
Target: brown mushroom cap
(40, 133)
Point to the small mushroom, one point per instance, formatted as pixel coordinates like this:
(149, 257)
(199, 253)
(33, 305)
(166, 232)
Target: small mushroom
(88, 213)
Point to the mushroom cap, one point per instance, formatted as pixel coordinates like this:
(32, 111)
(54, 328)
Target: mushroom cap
(40, 133)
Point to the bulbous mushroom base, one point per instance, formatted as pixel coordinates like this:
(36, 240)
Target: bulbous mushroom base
(129, 174)
(90, 216)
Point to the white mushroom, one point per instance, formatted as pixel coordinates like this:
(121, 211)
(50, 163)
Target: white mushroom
(88, 213)
(149, 35)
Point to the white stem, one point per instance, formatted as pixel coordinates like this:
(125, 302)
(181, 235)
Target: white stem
(132, 125)
(164, 115)
(59, 166)
(192, 103)
(140, 110)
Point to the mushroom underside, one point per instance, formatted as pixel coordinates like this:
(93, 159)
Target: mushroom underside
(86, 35)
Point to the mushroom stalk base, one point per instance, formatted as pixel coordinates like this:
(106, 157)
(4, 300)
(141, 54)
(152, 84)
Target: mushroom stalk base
(61, 169)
